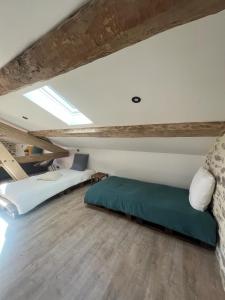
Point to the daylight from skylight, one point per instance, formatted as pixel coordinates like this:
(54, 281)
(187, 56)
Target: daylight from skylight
(3, 228)
(55, 104)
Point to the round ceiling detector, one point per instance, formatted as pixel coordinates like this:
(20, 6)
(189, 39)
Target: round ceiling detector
(136, 99)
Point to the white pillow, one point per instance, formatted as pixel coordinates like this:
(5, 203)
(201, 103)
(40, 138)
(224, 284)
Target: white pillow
(201, 189)
(50, 176)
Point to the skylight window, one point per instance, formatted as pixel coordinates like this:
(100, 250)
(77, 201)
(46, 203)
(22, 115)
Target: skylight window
(49, 100)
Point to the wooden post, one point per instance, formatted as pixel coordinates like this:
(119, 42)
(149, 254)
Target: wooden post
(9, 163)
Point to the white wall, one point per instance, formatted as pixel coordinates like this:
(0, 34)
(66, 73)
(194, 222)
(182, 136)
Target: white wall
(181, 145)
(172, 169)
(21, 26)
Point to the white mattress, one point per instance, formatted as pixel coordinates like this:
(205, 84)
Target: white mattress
(28, 193)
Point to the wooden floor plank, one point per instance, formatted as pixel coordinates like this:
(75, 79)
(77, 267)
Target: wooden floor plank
(66, 250)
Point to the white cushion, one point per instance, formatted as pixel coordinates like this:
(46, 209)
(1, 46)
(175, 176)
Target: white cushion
(50, 176)
(201, 189)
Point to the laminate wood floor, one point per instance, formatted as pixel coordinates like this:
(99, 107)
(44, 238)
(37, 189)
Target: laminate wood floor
(65, 250)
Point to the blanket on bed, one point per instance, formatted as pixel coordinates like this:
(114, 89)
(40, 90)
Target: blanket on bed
(160, 204)
(28, 193)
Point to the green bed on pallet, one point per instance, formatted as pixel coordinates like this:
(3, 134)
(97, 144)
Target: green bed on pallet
(160, 204)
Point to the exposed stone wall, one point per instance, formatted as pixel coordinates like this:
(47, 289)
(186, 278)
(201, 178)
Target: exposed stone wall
(215, 162)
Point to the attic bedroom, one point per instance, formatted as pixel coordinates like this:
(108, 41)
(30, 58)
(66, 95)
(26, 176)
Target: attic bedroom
(112, 150)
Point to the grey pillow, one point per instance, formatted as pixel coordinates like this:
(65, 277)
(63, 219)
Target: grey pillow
(80, 162)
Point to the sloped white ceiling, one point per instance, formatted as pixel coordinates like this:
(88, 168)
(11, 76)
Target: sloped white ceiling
(22, 22)
(179, 74)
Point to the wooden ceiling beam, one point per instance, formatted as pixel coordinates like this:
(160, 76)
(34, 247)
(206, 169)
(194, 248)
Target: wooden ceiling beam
(97, 29)
(11, 166)
(11, 133)
(12, 163)
(39, 158)
(194, 129)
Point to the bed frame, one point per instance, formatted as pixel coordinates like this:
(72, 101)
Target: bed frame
(154, 226)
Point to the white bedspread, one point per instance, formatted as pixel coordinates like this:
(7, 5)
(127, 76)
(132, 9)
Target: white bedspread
(28, 193)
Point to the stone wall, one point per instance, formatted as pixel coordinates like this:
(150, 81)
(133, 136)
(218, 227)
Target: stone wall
(215, 163)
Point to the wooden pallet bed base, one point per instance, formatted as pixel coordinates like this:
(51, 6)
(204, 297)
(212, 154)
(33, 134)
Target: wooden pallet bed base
(153, 226)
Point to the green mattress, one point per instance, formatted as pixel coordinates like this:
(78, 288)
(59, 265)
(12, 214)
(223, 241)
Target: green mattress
(160, 204)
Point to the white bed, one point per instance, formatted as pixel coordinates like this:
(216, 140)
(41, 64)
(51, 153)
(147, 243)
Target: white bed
(26, 194)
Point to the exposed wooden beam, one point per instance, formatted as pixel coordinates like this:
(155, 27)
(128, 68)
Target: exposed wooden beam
(97, 29)
(194, 129)
(22, 137)
(11, 166)
(39, 158)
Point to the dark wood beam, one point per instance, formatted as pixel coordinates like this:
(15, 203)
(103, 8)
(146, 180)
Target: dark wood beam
(97, 29)
(194, 129)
